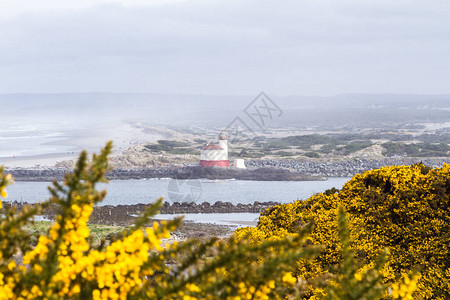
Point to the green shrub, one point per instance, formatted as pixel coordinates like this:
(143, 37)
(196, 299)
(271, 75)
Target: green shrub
(312, 154)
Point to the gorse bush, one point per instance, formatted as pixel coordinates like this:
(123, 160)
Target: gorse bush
(348, 280)
(138, 263)
(285, 257)
(405, 209)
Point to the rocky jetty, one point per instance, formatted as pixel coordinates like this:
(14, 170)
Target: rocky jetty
(341, 168)
(185, 172)
(259, 170)
(47, 174)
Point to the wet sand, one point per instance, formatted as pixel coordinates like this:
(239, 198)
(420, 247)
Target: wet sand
(123, 135)
(36, 161)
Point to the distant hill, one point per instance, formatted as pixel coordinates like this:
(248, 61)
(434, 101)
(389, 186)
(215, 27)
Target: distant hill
(352, 110)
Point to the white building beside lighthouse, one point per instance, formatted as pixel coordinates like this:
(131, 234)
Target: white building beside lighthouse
(215, 154)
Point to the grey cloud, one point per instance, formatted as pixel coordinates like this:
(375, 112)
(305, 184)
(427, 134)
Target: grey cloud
(304, 47)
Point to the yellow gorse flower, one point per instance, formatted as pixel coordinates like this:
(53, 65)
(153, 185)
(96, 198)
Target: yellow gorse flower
(139, 263)
(403, 208)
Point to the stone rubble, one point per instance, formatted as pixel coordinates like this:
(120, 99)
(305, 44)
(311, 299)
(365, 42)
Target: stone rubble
(341, 168)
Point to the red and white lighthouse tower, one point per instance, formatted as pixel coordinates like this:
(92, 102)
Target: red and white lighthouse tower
(215, 154)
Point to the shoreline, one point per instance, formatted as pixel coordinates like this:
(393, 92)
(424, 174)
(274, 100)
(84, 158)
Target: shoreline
(216, 218)
(121, 212)
(257, 170)
(38, 161)
(186, 172)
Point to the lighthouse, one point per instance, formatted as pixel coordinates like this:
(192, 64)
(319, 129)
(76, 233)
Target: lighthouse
(215, 154)
(223, 142)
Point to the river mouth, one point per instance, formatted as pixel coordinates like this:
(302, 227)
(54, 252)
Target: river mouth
(132, 192)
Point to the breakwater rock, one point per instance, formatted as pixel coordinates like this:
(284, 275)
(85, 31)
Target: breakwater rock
(122, 215)
(258, 170)
(341, 168)
(185, 172)
(48, 174)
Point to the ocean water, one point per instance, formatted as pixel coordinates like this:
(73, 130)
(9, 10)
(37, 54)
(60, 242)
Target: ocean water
(198, 191)
(28, 139)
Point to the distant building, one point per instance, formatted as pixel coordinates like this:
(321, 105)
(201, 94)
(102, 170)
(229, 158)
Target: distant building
(239, 163)
(215, 154)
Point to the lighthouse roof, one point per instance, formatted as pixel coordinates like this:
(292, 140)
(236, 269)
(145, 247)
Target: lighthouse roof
(223, 135)
(212, 147)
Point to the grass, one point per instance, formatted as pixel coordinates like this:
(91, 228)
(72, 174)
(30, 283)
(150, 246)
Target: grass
(394, 143)
(416, 150)
(172, 147)
(97, 231)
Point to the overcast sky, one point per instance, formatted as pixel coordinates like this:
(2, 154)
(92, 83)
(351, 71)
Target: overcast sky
(304, 47)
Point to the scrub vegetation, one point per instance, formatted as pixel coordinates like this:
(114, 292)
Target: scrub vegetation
(326, 145)
(401, 211)
(383, 236)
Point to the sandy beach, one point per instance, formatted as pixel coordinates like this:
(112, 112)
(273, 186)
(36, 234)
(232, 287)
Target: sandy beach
(124, 135)
(36, 161)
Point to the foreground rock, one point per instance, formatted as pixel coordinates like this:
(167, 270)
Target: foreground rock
(123, 215)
